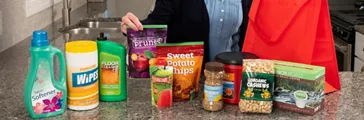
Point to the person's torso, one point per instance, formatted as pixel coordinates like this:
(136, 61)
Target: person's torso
(225, 17)
(189, 23)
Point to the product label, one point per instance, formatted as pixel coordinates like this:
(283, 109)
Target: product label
(84, 78)
(83, 85)
(297, 71)
(109, 74)
(300, 95)
(257, 86)
(229, 85)
(161, 85)
(45, 97)
(142, 47)
(141, 42)
(186, 62)
(213, 93)
(186, 59)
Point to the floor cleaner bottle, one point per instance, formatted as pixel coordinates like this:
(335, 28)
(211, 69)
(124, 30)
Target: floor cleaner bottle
(112, 70)
(44, 96)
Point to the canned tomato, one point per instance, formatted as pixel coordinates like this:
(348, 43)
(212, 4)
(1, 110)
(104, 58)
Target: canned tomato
(233, 66)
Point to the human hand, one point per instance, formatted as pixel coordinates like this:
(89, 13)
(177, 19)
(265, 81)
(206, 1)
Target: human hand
(132, 21)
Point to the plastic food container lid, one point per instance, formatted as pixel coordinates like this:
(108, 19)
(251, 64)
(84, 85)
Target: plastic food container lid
(214, 66)
(81, 46)
(234, 58)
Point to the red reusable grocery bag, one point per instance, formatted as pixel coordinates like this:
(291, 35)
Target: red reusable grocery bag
(296, 31)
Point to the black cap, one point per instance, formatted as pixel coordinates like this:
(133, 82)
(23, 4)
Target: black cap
(234, 58)
(214, 66)
(101, 37)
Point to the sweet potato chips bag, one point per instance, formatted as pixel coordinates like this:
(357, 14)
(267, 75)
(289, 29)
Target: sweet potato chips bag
(186, 59)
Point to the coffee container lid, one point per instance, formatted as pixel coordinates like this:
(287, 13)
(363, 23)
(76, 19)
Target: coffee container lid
(214, 66)
(234, 58)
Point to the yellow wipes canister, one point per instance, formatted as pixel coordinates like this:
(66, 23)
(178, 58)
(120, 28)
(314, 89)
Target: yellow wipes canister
(82, 75)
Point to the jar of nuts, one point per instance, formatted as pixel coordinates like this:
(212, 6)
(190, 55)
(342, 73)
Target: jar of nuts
(257, 86)
(214, 73)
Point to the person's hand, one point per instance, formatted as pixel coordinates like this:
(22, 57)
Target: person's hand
(132, 21)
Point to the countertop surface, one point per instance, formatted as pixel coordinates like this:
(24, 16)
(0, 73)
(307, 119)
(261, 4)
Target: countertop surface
(346, 104)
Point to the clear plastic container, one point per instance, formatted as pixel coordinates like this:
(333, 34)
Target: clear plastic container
(257, 86)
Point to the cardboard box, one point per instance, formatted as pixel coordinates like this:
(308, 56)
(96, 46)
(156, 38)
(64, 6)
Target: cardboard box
(299, 87)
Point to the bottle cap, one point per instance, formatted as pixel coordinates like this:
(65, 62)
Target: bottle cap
(214, 66)
(40, 38)
(101, 37)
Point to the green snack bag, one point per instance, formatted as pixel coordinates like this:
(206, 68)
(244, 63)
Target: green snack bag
(161, 84)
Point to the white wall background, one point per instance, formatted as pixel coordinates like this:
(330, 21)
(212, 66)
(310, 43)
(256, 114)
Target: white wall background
(19, 18)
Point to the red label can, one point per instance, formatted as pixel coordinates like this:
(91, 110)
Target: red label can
(233, 64)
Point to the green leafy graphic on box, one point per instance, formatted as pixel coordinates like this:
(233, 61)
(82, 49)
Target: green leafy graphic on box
(292, 85)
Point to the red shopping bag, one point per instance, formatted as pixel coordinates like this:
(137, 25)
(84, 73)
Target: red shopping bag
(296, 31)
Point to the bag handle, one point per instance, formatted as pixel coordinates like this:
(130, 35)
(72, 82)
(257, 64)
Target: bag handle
(256, 5)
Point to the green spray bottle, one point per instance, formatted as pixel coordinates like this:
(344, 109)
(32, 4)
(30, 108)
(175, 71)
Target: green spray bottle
(44, 96)
(112, 70)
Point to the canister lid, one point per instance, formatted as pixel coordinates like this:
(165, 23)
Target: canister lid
(81, 46)
(214, 66)
(234, 58)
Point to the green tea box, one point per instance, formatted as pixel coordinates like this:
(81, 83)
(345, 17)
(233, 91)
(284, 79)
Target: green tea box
(299, 87)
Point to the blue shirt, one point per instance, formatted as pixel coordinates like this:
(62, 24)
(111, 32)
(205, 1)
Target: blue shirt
(226, 17)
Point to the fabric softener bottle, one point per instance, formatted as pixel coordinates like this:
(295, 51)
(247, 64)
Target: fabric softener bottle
(112, 70)
(44, 96)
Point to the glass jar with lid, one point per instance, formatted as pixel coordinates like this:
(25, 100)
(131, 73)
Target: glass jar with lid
(213, 88)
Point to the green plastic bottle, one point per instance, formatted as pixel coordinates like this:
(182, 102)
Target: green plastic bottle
(112, 70)
(44, 96)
